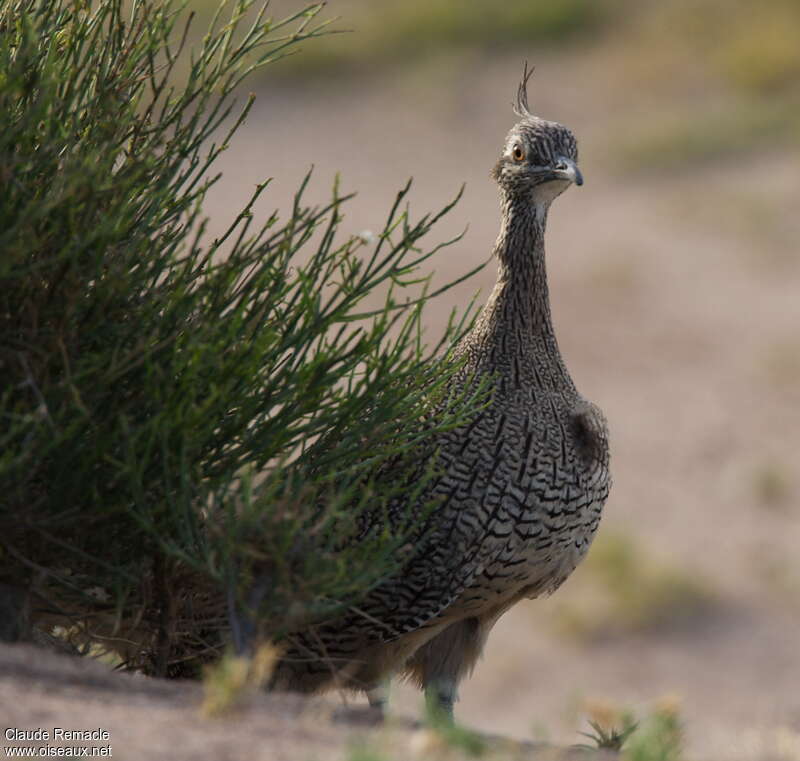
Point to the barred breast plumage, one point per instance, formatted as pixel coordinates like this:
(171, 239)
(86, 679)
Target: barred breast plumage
(522, 484)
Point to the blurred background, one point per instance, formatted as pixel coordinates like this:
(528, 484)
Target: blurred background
(675, 285)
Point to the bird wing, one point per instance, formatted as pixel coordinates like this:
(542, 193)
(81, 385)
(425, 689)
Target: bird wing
(493, 490)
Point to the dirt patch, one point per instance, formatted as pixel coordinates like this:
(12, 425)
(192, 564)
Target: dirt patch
(140, 718)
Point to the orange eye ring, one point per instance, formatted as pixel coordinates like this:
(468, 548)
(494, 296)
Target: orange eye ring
(517, 153)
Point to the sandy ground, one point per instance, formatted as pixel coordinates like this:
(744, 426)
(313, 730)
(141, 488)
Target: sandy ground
(159, 720)
(675, 299)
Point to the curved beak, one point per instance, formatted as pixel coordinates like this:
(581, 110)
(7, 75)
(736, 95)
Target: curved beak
(568, 170)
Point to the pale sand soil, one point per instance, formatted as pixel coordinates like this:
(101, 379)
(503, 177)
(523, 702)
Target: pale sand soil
(160, 720)
(676, 301)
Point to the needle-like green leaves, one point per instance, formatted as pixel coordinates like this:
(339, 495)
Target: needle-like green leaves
(179, 415)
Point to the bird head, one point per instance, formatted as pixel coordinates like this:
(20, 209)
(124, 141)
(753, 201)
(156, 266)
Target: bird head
(539, 160)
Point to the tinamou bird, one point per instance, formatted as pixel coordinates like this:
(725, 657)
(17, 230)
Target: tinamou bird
(521, 485)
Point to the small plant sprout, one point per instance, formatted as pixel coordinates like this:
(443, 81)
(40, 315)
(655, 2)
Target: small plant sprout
(610, 738)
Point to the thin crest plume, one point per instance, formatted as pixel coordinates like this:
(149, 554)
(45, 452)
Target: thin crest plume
(521, 104)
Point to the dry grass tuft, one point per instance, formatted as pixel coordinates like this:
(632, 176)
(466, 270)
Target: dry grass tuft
(228, 681)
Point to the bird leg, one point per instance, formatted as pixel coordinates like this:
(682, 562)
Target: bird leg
(440, 697)
(242, 617)
(378, 696)
(441, 663)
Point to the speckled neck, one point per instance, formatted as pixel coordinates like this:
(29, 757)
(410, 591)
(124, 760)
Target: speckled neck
(520, 299)
(513, 336)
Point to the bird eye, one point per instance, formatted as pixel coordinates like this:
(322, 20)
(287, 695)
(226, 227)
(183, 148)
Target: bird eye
(517, 152)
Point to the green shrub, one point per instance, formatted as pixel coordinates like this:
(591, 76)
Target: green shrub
(180, 416)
